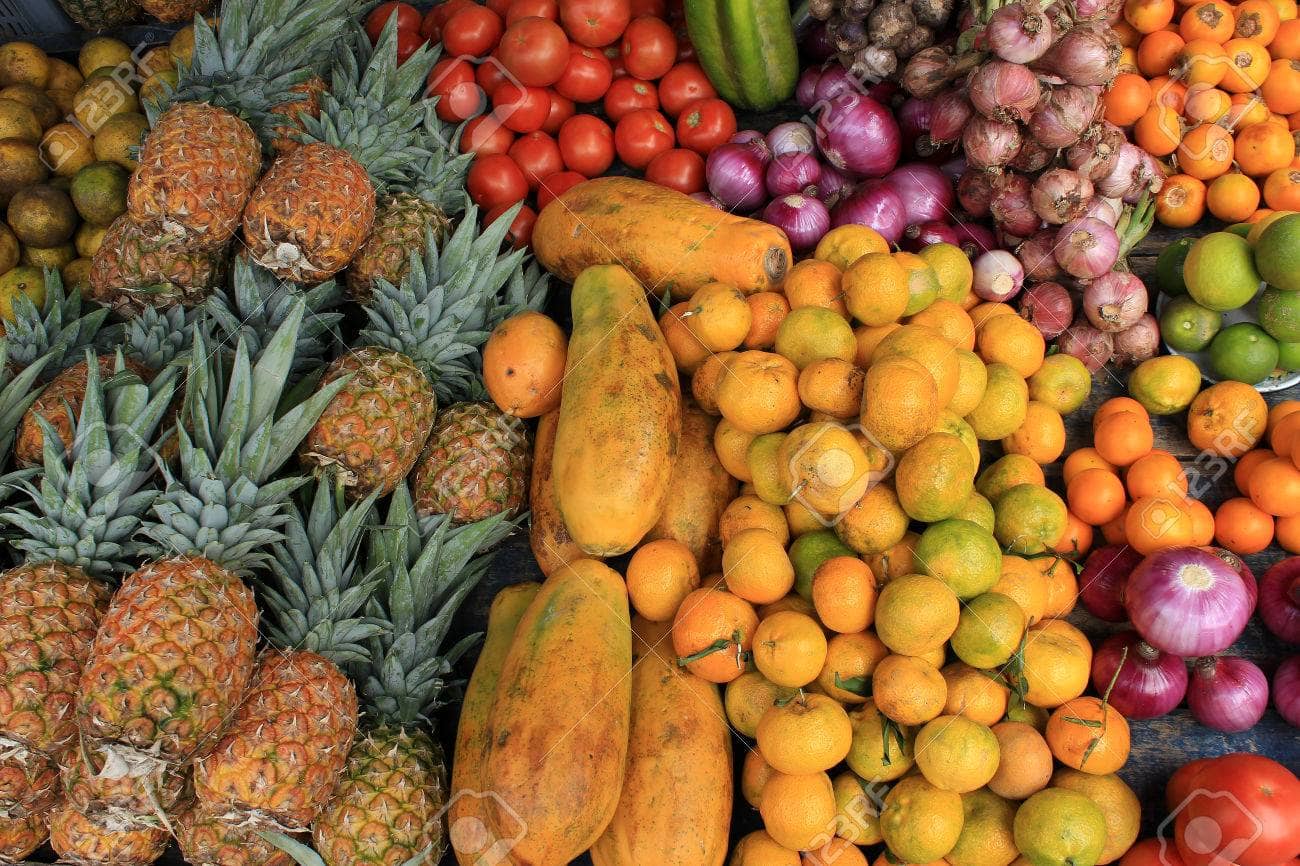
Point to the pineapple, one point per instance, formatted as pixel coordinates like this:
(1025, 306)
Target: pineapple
(424, 334)
(58, 404)
(96, 15)
(134, 270)
(58, 328)
(306, 102)
(19, 837)
(173, 11)
(207, 840)
(83, 841)
(18, 392)
(475, 464)
(388, 807)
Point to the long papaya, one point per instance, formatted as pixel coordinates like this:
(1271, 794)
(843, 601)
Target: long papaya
(620, 415)
(675, 809)
(547, 535)
(670, 241)
(469, 793)
(559, 726)
(747, 49)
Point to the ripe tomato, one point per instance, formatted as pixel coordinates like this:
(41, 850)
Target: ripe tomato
(501, 7)
(459, 96)
(408, 18)
(494, 180)
(705, 124)
(641, 136)
(408, 42)
(548, 9)
(1242, 809)
(586, 144)
(561, 110)
(472, 32)
(535, 51)
(595, 23)
(682, 85)
(431, 27)
(587, 76)
(679, 169)
(656, 8)
(649, 47)
(484, 135)
(537, 156)
(521, 109)
(520, 233)
(489, 75)
(1183, 782)
(626, 95)
(554, 186)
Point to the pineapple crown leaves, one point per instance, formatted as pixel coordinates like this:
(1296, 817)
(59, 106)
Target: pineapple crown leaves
(17, 393)
(156, 338)
(440, 179)
(91, 499)
(316, 593)
(440, 315)
(59, 327)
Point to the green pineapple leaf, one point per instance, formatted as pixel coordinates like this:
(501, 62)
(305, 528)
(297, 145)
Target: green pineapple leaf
(58, 328)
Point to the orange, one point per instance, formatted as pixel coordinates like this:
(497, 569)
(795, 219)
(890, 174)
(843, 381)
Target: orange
(523, 364)
(824, 465)
(950, 321)
(1202, 522)
(1245, 468)
(1088, 735)
(844, 245)
(1169, 91)
(1119, 805)
(719, 316)
(1076, 540)
(1062, 586)
(1128, 99)
(757, 567)
(896, 560)
(1122, 438)
(1024, 761)
(754, 773)
(1284, 432)
(704, 382)
(711, 632)
(1286, 45)
(686, 348)
(1206, 151)
(831, 385)
(1057, 663)
(974, 694)
(760, 849)
(927, 347)
(1248, 65)
(1159, 522)
(1280, 410)
(1281, 89)
(766, 310)
(1041, 437)
(1114, 406)
(1275, 487)
(1264, 148)
(1160, 129)
(660, 574)
(1127, 35)
(981, 313)
(1233, 197)
(857, 818)
(955, 753)
(837, 850)
(1181, 201)
(844, 594)
(1242, 527)
(1157, 473)
(1013, 341)
(875, 289)
(1282, 189)
(1096, 496)
(1158, 52)
(1205, 104)
(900, 402)
(934, 477)
(916, 614)
(815, 283)
(811, 333)
(1257, 20)
(748, 697)
(1006, 472)
(920, 822)
(1114, 531)
(1288, 533)
(1148, 16)
(1210, 19)
(760, 394)
(1023, 582)
(1247, 110)
(798, 810)
(868, 337)
(805, 735)
(1227, 419)
(1202, 61)
(789, 648)
(1081, 459)
(850, 661)
(875, 523)
(908, 690)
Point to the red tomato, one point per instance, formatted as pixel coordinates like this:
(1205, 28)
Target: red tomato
(408, 18)
(472, 32)
(641, 136)
(484, 135)
(408, 42)
(587, 145)
(587, 76)
(1242, 809)
(561, 110)
(459, 96)
(649, 47)
(490, 74)
(626, 95)
(520, 233)
(554, 186)
(679, 169)
(656, 8)
(595, 23)
(494, 180)
(682, 85)
(1183, 782)
(521, 109)
(501, 7)
(705, 124)
(1152, 852)
(535, 51)
(548, 9)
(537, 156)
(431, 27)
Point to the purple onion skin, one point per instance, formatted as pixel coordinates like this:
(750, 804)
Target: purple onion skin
(1115, 302)
(1101, 583)
(734, 174)
(1279, 599)
(816, 44)
(790, 137)
(1237, 564)
(975, 192)
(949, 112)
(1087, 248)
(1228, 693)
(1036, 256)
(1187, 601)
(1019, 34)
(990, 143)
(1086, 343)
(803, 218)
(789, 173)
(1048, 307)
(1150, 683)
(918, 237)
(833, 185)
(835, 81)
(805, 91)
(927, 194)
(1286, 691)
(1012, 208)
(875, 204)
(1138, 342)
(974, 239)
(849, 122)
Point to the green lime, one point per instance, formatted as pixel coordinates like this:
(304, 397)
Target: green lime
(1288, 356)
(809, 551)
(1277, 254)
(1220, 272)
(1239, 229)
(1169, 267)
(1187, 326)
(1244, 352)
(1279, 314)
(99, 192)
(988, 631)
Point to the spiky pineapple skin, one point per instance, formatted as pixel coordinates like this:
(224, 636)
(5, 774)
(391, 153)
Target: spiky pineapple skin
(285, 139)
(207, 840)
(197, 168)
(83, 841)
(172, 11)
(475, 464)
(310, 214)
(48, 617)
(19, 837)
(400, 224)
(95, 15)
(283, 751)
(132, 270)
(372, 431)
(388, 806)
(64, 393)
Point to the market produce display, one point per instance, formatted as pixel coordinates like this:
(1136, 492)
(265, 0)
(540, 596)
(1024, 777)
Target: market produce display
(635, 432)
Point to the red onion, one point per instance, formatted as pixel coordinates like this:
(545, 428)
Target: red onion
(1084, 55)
(803, 218)
(926, 192)
(1279, 599)
(949, 112)
(859, 135)
(1114, 301)
(1101, 583)
(833, 185)
(755, 142)
(1047, 306)
(1059, 195)
(1032, 157)
(1036, 256)
(1286, 691)
(1105, 209)
(792, 172)
(1086, 343)
(1063, 116)
(735, 176)
(835, 81)
(883, 91)
(1003, 91)
(1149, 178)
(954, 168)
(919, 236)
(707, 199)
(1147, 683)
(914, 123)
(998, 275)
(974, 238)
(928, 72)
(1100, 10)
(989, 143)
(1087, 248)
(1186, 601)
(805, 90)
(975, 192)
(1011, 207)
(1227, 693)
(1094, 155)
(790, 137)
(1138, 342)
(1237, 564)
(875, 204)
(1019, 32)
(1128, 170)
(816, 44)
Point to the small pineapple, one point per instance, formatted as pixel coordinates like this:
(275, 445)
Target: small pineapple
(84, 841)
(97, 15)
(307, 104)
(134, 269)
(58, 405)
(19, 837)
(475, 464)
(173, 11)
(207, 840)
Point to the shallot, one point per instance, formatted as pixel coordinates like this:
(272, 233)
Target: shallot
(1063, 116)
(1031, 157)
(1086, 343)
(949, 112)
(989, 143)
(1084, 55)
(1126, 172)
(928, 72)
(1107, 210)
(1060, 195)
(1147, 683)
(1003, 91)
(1011, 206)
(998, 275)
(1036, 256)
(1094, 155)
(975, 192)
(1114, 301)
(1047, 306)
(1019, 32)
(1138, 342)
(1228, 694)
(1087, 248)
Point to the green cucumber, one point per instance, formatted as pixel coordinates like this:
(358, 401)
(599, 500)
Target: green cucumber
(747, 49)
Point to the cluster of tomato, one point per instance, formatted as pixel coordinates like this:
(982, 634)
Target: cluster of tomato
(525, 77)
